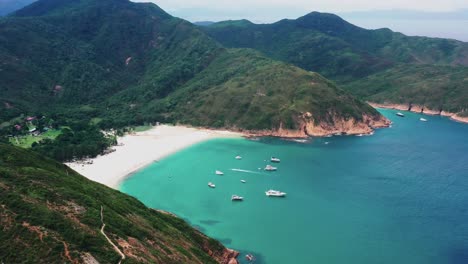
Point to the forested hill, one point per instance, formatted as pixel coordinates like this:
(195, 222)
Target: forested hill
(8, 6)
(125, 63)
(417, 70)
(51, 214)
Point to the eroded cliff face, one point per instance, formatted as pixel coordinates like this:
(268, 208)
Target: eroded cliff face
(339, 125)
(421, 109)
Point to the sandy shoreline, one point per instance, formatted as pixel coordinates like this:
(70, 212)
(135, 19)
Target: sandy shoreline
(141, 149)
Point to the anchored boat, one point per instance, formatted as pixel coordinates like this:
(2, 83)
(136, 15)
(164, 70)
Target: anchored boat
(275, 193)
(237, 198)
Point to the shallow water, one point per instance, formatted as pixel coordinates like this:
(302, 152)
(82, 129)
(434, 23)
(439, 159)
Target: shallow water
(400, 196)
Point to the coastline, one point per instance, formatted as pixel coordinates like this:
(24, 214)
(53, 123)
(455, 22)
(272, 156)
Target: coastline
(421, 110)
(138, 150)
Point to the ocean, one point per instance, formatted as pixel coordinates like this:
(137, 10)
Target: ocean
(399, 196)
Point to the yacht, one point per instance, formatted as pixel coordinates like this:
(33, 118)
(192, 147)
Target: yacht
(243, 181)
(275, 193)
(238, 157)
(423, 119)
(276, 160)
(211, 185)
(400, 114)
(219, 172)
(270, 168)
(237, 198)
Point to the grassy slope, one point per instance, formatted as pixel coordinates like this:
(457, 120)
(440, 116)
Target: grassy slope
(47, 209)
(250, 91)
(343, 52)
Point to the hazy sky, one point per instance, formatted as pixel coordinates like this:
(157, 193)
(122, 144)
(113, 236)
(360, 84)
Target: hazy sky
(435, 18)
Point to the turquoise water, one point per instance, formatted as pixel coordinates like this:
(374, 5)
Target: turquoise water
(400, 196)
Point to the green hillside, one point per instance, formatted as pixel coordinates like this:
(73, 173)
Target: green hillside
(345, 53)
(8, 6)
(50, 214)
(125, 63)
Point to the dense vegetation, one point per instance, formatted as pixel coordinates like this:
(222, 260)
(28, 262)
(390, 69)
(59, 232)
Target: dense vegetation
(8, 6)
(124, 63)
(50, 214)
(79, 141)
(360, 60)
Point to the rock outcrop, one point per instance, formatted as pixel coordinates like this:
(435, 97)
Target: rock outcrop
(308, 127)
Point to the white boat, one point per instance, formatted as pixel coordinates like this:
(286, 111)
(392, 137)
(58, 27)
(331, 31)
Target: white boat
(243, 181)
(359, 135)
(238, 157)
(275, 160)
(400, 114)
(237, 198)
(423, 119)
(211, 185)
(219, 172)
(275, 193)
(270, 168)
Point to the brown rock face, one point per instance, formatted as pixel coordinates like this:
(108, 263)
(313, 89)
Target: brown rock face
(308, 127)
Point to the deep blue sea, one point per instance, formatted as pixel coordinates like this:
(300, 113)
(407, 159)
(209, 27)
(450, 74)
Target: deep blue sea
(399, 196)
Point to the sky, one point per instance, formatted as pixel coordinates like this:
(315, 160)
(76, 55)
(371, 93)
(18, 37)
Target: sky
(434, 18)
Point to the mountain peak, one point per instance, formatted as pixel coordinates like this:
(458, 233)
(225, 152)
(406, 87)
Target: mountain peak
(323, 22)
(45, 7)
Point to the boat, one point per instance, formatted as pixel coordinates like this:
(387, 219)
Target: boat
(219, 172)
(211, 185)
(359, 135)
(238, 157)
(270, 168)
(249, 257)
(243, 181)
(423, 119)
(275, 160)
(237, 198)
(275, 193)
(400, 114)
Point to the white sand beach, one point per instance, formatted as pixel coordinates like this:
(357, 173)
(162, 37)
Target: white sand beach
(138, 150)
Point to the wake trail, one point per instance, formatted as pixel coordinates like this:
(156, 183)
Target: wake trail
(247, 171)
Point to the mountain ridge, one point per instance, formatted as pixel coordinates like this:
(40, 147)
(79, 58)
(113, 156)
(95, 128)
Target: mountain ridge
(134, 71)
(357, 58)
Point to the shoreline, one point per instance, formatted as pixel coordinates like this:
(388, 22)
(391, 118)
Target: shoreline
(421, 110)
(141, 149)
(138, 150)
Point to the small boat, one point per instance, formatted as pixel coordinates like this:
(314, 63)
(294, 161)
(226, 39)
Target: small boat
(359, 135)
(423, 119)
(219, 172)
(237, 198)
(270, 168)
(329, 136)
(249, 257)
(275, 193)
(211, 185)
(243, 181)
(326, 143)
(400, 114)
(275, 160)
(238, 157)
